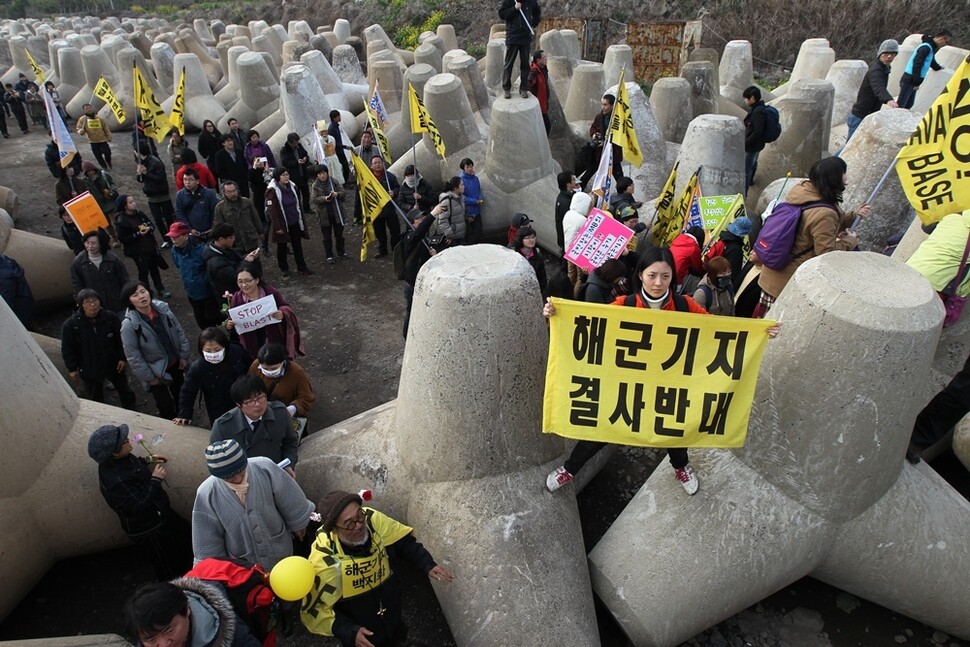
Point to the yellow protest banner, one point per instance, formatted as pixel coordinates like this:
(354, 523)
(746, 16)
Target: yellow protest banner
(382, 144)
(421, 121)
(177, 118)
(373, 197)
(934, 165)
(39, 75)
(86, 213)
(154, 118)
(102, 90)
(653, 378)
(621, 125)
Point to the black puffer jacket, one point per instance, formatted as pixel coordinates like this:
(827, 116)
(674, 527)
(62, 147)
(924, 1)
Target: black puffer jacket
(516, 30)
(138, 499)
(92, 346)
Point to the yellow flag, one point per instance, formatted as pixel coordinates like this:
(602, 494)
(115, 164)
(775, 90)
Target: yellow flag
(421, 121)
(621, 126)
(155, 120)
(177, 118)
(683, 209)
(637, 376)
(934, 165)
(664, 219)
(379, 136)
(373, 197)
(102, 90)
(39, 74)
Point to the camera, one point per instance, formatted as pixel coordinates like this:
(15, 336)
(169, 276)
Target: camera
(437, 243)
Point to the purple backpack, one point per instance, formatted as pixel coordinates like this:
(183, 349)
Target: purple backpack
(777, 236)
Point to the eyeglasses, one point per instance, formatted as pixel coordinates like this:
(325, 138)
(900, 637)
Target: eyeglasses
(245, 281)
(253, 401)
(353, 523)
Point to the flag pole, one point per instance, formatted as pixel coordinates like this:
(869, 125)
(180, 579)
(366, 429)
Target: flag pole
(875, 190)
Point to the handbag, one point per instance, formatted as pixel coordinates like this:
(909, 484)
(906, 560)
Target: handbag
(952, 302)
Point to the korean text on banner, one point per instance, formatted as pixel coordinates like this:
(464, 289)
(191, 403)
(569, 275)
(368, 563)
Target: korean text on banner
(654, 378)
(254, 315)
(601, 237)
(86, 213)
(103, 91)
(372, 198)
(934, 165)
(421, 121)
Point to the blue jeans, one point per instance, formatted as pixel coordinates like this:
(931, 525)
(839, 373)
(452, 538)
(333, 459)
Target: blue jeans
(853, 122)
(750, 168)
(907, 95)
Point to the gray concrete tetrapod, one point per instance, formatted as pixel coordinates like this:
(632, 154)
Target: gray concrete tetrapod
(45, 447)
(470, 478)
(466, 68)
(618, 57)
(341, 29)
(670, 102)
(399, 132)
(346, 64)
(715, 144)
(96, 64)
(303, 103)
(651, 175)
(494, 57)
(200, 104)
(703, 88)
(331, 84)
(163, 60)
(429, 55)
(585, 92)
(46, 263)
(820, 487)
(449, 38)
(822, 93)
(813, 61)
(868, 155)
(259, 89)
(711, 56)
(800, 143)
(845, 76)
(71, 73)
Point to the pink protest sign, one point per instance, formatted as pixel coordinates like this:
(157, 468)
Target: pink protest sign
(601, 237)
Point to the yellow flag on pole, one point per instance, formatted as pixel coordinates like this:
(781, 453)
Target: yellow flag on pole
(621, 126)
(382, 144)
(664, 219)
(421, 121)
(102, 90)
(664, 232)
(39, 74)
(934, 165)
(373, 197)
(177, 118)
(152, 115)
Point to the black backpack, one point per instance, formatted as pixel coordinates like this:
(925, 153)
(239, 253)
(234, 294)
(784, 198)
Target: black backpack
(772, 124)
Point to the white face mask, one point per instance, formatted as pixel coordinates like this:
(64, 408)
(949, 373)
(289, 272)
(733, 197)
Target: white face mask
(274, 373)
(214, 358)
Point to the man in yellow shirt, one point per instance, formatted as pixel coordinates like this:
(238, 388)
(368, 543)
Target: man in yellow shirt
(98, 134)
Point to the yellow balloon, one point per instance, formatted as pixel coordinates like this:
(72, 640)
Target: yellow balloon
(292, 578)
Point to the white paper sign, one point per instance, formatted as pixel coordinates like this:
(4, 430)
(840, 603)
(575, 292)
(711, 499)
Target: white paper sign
(254, 315)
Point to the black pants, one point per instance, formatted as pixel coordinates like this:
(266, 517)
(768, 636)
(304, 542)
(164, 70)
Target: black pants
(388, 218)
(408, 299)
(473, 230)
(522, 51)
(586, 449)
(167, 395)
(164, 215)
(282, 251)
(303, 189)
(102, 153)
(337, 236)
(207, 312)
(944, 411)
(18, 112)
(546, 122)
(344, 166)
(3, 124)
(94, 389)
(148, 265)
(169, 547)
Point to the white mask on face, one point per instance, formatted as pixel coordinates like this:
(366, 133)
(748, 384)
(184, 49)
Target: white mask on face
(274, 373)
(214, 358)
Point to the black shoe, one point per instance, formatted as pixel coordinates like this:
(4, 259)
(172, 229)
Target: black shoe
(912, 455)
(524, 94)
(508, 93)
(305, 271)
(285, 274)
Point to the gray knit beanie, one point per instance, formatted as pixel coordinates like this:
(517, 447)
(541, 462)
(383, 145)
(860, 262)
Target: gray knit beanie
(225, 459)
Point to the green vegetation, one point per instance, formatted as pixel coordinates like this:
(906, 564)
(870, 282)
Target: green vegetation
(406, 37)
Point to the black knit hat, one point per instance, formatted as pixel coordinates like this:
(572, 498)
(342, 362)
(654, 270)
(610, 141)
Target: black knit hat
(331, 505)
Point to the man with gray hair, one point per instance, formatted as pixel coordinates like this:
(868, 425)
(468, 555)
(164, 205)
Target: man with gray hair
(873, 92)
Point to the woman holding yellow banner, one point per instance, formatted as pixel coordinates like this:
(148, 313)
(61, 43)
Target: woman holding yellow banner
(655, 271)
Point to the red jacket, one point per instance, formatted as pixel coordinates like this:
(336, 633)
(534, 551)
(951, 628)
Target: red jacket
(668, 304)
(687, 256)
(539, 86)
(206, 178)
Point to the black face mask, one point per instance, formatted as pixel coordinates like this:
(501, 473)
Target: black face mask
(724, 282)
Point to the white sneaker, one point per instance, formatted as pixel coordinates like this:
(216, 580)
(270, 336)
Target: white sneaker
(688, 479)
(558, 478)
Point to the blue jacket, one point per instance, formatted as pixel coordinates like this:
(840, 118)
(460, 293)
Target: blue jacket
(197, 209)
(191, 266)
(923, 58)
(473, 193)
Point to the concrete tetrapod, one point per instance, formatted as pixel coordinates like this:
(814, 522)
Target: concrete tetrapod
(651, 175)
(715, 144)
(44, 447)
(800, 143)
(703, 87)
(868, 154)
(200, 104)
(820, 487)
(469, 478)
